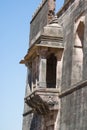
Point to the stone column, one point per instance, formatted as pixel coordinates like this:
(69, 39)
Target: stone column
(59, 69)
(42, 69)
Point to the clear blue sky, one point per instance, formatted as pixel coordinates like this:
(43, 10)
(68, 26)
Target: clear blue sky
(15, 16)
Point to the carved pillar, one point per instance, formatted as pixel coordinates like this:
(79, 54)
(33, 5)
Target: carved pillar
(42, 68)
(42, 72)
(59, 69)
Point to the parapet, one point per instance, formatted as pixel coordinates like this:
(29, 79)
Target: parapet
(42, 16)
(38, 9)
(51, 8)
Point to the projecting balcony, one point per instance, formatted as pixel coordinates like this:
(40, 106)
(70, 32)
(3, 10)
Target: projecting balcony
(42, 101)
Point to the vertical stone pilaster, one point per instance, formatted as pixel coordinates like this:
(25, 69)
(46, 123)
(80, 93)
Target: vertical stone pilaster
(59, 69)
(42, 72)
(42, 67)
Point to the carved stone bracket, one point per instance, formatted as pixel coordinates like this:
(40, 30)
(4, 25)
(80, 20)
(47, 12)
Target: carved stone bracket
(43, 52)
(59, 54)
(42, 101)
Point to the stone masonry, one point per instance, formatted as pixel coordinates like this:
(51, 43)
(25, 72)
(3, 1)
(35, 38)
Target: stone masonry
(56, 61)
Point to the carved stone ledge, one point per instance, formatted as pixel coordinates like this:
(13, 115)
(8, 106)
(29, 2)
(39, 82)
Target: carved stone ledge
(43, 101)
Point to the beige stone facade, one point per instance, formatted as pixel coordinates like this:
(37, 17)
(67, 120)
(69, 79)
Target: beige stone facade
(56, 89)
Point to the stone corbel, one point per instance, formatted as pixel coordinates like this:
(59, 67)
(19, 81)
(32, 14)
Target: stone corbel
(43, 101)
(43, 52)
(59, 54)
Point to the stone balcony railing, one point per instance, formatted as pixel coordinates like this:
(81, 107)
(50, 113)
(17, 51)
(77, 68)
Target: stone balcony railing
(42, 101)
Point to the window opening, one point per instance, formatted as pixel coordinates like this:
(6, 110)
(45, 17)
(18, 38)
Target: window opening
(51, 71)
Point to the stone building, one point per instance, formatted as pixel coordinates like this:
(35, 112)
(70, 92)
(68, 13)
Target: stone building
(56, 61)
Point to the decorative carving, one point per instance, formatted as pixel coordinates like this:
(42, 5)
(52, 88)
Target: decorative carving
(42, 102)
(51, 6)
(52, 100)
(37, 104)
(43, 52)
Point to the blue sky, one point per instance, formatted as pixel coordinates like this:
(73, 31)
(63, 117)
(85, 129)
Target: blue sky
(15, 16)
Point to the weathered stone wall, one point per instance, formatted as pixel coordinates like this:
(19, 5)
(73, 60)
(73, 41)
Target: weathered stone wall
(68, 18)
(39, 21)
(42, 17)
(73, 106)
(27, 122)
(36, 122)
(68, 27)
(27, 117)
(74, 111)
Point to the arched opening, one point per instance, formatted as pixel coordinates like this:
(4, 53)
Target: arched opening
(51, 71)
(77, 67)
(80, 33)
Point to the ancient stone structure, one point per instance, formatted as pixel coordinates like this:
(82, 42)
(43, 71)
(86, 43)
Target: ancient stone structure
(56, 61)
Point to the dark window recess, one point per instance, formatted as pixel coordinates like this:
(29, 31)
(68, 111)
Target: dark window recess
(80, 32)
(51, 71)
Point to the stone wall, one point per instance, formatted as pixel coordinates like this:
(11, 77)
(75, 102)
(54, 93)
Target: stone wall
(74, 110)
(27, 117)
(73, 106)
(68, 18)
(42, 17)
(39, 21)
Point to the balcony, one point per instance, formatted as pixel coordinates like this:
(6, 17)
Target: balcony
(43, 101)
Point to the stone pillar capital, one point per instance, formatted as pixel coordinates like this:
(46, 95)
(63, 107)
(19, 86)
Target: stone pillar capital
(43, 52)
(59, 55)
